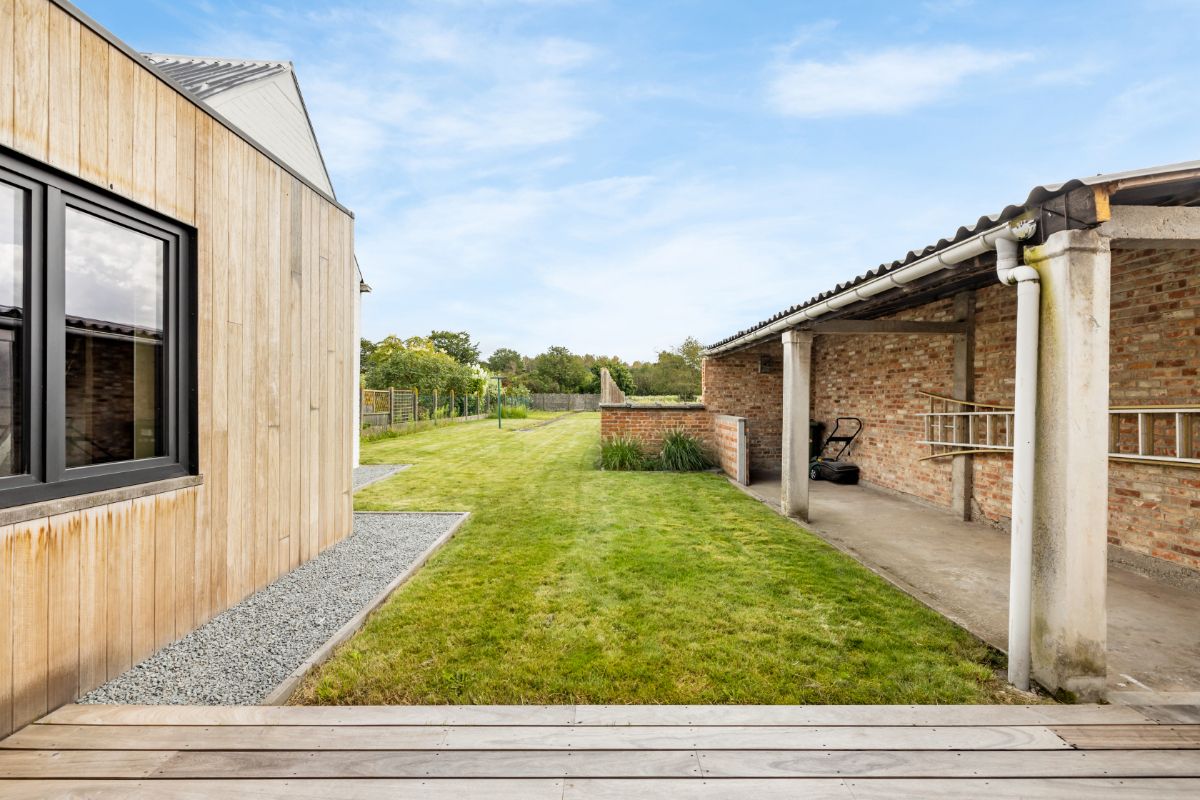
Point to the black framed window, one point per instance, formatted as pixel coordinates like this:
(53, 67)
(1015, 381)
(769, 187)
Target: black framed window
(97, 325)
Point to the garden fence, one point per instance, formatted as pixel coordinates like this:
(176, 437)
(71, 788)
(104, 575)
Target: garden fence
(386, 408)
(564, 402)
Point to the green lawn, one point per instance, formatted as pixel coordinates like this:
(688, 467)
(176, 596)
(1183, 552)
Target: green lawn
(573, 585)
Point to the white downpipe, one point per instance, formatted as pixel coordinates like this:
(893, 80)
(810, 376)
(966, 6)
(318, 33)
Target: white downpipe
(356, 435)
(1020, 573)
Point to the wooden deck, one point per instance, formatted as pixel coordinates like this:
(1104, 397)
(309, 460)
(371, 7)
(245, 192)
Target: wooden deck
(846, 752)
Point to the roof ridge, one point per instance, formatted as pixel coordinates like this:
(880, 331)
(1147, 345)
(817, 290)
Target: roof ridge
(218, 60)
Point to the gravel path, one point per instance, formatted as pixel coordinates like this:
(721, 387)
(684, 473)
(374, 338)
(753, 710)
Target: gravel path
(240, 655)
(369, 473)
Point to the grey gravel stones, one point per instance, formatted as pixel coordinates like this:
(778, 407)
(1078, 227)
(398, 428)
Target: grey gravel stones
(369, 473)
(240, 655)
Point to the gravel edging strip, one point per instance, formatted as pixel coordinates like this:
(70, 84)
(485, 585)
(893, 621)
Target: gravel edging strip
(281, 693)
(243, 653)
(366, 474)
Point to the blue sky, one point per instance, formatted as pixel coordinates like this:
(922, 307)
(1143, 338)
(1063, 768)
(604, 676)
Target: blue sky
(615, 176)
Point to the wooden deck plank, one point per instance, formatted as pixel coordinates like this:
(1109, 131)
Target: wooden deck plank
(826, 789)
(536, 789)
(248, 737)
(718, 764)
(387, 789)
(747, 716)
(316, 764)
(1026, 789)
(749, 738)
(81, 764)
(381, 737)
(1131, 737)
(455, 789)
(309, 715)
(949, 764)
(857, 715)
(1186, 714)
(424, 764)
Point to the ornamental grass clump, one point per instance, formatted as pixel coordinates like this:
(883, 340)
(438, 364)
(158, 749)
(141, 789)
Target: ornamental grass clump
(622, 453)
(682, 452)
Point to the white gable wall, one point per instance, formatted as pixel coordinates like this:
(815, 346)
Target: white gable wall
(271, 112)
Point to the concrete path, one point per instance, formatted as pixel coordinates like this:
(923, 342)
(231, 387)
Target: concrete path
(961, 569)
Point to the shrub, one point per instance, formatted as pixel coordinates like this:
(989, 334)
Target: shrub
(683, 452)
(621, 453)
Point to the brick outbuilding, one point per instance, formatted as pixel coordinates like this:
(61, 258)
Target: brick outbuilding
(925, 351)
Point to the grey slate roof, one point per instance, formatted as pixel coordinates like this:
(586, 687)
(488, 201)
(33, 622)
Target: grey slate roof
(205, 77)
(1037, 196)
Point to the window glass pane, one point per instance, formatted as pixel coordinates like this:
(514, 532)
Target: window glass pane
(115, 355)
(12, 330)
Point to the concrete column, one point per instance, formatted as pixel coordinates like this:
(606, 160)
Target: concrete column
(797, 393)
(962, 468)
(1070, 517)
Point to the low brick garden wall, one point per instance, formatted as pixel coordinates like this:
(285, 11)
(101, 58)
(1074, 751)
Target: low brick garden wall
(729, 433)
(724, 435)
(648, 423)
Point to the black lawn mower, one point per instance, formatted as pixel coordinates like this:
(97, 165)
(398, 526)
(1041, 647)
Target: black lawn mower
(835, 469)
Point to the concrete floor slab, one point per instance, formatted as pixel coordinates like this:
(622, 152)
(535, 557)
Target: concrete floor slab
(961, 570)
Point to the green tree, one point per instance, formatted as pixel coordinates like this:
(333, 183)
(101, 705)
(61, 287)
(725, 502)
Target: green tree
(558, 370)
(672, 373)
(365, 348)
(692, 352)
(505, 361)
(457, 345)
(411, 363)
(617, 369)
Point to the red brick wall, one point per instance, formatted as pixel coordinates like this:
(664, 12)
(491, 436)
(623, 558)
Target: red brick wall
(1155, 356)
(995, 370)
(877, 377)
(725, 440)
(647, 424)
(733, 384)
(1155, 360)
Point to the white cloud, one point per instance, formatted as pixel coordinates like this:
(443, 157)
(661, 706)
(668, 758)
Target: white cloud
(888, 81)
(629, 264)
(1140, 114)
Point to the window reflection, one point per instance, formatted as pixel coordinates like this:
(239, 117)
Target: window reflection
(12, 324)
(114, 342)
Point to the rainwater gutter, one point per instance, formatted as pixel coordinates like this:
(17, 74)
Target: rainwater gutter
(948, 258)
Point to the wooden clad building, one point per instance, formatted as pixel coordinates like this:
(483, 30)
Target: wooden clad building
(176, 361)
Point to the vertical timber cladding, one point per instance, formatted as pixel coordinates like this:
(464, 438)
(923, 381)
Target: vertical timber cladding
(85, 594)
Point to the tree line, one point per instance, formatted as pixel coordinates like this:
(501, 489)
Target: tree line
(450, 361)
